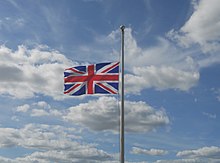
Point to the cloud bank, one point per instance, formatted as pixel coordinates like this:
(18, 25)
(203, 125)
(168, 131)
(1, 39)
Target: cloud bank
(51, 143)
(139, 116)
(26, 73)
(151, 152)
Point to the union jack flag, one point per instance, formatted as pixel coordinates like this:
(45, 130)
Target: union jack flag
(101, 78)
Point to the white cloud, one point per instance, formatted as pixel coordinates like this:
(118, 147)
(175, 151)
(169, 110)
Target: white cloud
(139, 116)
(41, 112)
(23, 108)
(183, 161)
(38, 109)
(203, 27)
(87, 156)
(164, 53)
(160, 78)
(204, 152)
(52, 143)
(42, 104)
(201, 155)
(201, 33)
(27, 72)
(152, 152)
(162, 66)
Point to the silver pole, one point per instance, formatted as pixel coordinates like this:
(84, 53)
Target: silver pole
(122, 98)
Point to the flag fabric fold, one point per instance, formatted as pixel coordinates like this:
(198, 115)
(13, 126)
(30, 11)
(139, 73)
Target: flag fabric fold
(101, 78)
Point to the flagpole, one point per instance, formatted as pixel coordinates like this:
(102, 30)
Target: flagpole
(122, 98)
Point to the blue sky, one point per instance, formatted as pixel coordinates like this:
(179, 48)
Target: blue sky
(172, 89)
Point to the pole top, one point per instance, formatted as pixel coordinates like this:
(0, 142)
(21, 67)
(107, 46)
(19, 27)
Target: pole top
(122, 27)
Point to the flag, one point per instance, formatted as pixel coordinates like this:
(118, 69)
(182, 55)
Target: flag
(101, 78)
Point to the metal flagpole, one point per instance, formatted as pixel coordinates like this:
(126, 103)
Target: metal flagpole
(122, 98)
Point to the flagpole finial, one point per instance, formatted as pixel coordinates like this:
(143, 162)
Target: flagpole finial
(122, 27)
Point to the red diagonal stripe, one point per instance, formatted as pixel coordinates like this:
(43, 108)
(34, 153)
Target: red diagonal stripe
(75, 70)
(106, 70)
(75, 86)
(108, 89)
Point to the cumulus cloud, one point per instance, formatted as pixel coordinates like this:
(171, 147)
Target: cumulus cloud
(52, 143)
(42, 104)
(27, 72)
(14, 74)
(23, 108)
(201, 33)
(183, 161)
(164, 53)
(201, 155)
(38, 109)
(160, 78)
(139, 116)
(162, 66)
(202, 28)
(152, 152)
(33, 136)
(204, 152)
(88, 156)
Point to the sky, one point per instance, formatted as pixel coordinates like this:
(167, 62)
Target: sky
(172, 74)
